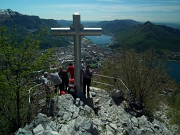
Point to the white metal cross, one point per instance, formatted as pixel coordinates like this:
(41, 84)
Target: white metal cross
(76, 30)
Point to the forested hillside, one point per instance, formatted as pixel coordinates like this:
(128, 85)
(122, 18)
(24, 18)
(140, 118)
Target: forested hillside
(116, 26)
(32, 24)
(143, 36)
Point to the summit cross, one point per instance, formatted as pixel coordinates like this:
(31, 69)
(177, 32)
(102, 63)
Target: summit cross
(76, 30)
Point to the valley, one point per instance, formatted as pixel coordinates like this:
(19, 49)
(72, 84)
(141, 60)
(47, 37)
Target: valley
(127, 34)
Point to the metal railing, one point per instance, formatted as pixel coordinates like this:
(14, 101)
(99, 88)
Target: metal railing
(109, 77)
(39, 100)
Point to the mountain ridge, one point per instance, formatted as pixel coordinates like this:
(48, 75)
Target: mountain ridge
(25, 24)
(133, 34)
(117, 26)
(11, 18)
(144, 36)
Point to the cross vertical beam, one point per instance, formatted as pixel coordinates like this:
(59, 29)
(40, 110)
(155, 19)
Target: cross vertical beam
(77, 53)
(76, 30)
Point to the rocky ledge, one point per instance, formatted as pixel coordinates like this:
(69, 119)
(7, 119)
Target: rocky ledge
(108, 117)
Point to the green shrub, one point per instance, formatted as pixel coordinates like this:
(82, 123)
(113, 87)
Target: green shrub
(143, 74)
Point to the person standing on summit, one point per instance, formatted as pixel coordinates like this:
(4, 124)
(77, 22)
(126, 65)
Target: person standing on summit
(44, 80)
(71, 70)
(54, 77)
(64, 76)
(87, 75)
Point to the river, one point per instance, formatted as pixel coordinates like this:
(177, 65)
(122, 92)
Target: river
(173, 65)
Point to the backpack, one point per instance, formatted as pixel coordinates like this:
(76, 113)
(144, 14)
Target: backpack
(72, 90)
(62, 92)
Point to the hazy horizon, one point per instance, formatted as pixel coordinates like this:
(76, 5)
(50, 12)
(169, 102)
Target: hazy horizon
(99, 10)
(120, 19)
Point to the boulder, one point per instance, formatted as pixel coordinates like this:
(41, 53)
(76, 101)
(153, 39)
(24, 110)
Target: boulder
(116, 94)
(23, 132)
(73, 117)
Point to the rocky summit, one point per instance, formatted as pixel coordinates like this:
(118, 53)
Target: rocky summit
(69, 116)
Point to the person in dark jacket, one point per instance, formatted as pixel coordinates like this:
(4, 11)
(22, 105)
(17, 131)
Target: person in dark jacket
(64, 77)
(87, 75)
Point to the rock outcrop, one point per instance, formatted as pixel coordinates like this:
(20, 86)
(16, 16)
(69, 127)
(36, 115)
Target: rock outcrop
(72, 117)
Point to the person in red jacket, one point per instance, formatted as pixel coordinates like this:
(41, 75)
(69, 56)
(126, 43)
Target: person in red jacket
(71, 70)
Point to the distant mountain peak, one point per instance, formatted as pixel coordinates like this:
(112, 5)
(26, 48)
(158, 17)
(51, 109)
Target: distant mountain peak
(144, 36)
(148, 23)
(146, 27)
(11, 18)
(8, 12)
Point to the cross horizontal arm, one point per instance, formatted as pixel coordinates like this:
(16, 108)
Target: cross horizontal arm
(90, 32)
(62, 32)
(71, 32)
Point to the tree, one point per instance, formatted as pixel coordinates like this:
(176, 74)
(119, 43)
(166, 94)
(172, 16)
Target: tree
(143, 74)
(19, 60)
(174, 110)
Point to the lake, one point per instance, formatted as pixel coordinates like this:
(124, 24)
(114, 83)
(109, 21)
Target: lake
(174, 70)
(174, 66)
(101, 40)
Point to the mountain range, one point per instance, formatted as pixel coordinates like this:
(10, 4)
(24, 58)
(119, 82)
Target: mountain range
(25, 24)
(10, 19)
(117, 26)
(129, 33)
(144, 36)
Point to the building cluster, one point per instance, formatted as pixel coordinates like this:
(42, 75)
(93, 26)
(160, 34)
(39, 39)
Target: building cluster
(91, 53)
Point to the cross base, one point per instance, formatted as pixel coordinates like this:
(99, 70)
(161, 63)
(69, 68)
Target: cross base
(79, 94)
(88, 101)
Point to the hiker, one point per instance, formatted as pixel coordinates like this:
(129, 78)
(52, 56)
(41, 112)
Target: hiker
(64, 77)
(54, 77)
(71, 70)
(87, 75)
(71, 88)
(44, 80)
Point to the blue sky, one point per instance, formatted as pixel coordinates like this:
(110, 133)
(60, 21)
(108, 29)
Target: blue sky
(98, 10)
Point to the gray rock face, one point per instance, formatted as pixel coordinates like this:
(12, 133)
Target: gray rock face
(73, 117)
(116, 93)
(24, 132)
